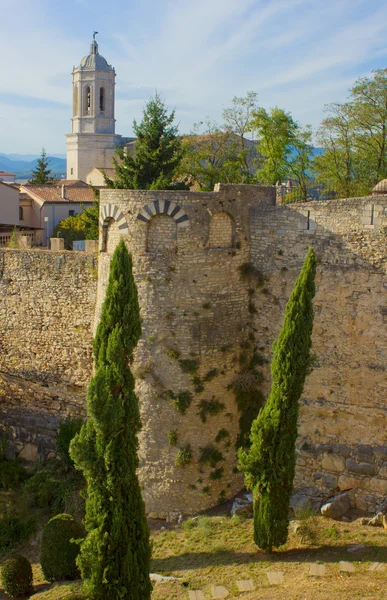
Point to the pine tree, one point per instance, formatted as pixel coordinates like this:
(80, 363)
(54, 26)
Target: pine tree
(42, 174)
(157, 152)
(269, 465)
(115, 556)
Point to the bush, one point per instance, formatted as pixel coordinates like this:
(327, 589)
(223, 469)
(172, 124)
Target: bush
(58, 549)
(52, 486)
(11, 474)
(16, 576)
(68, 428)
(14, 529)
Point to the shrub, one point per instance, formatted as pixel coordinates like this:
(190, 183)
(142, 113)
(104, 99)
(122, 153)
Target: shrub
(52, 486)
(11, 474)
(210, 407)
(222, 435)
(16, 576)
(173, 436)
(184, 456)
(189, 365)
(14, 529)
(58, 549)
(180, 401)
(68, 428)
(211, 455)
(173, 353)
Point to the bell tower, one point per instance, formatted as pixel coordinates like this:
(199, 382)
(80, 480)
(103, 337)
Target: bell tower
(93, 139)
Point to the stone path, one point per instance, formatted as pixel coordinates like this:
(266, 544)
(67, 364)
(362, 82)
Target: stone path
(317, 570)
(377, 567)
(195, 595)
(245, 585)
(347, 567)
(275, 577)
(218, 591)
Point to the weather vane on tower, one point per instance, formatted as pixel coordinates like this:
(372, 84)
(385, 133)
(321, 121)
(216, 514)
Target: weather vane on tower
(94, 34)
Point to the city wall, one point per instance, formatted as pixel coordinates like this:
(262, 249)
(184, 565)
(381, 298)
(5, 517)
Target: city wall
(214, 272)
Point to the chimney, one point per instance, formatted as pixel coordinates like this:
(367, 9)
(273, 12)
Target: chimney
(63, 191)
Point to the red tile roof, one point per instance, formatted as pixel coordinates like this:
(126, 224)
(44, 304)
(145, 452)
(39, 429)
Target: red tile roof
(74, 191)
(6, 174)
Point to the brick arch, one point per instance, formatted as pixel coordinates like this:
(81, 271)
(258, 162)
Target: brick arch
(111, 211)
(164, 207)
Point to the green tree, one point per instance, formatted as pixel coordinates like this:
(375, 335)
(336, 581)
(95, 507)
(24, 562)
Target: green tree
(276, 132)
(300, 160)
(269, 464)
(42, 174)
(83, 226)
(115, 556)
(157, 152)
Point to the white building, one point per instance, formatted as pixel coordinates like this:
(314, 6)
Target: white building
(92, 142)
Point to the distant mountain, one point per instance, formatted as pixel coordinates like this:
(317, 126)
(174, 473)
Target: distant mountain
(18, 164)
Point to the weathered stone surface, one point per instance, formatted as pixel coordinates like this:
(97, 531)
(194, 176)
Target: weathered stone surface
(362, 468)
(195, 595)
(317, 570)
(275, 577)
(245, 585)
(333, 462)
(29, 452)
(242, 504)
(219, 591)
(346, 567)
(336, 507)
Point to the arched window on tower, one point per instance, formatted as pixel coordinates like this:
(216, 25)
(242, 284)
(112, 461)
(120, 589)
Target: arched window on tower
(75, 101)
(102, 99)
(87, 100)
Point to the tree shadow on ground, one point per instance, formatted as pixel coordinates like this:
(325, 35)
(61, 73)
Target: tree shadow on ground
(329, 554)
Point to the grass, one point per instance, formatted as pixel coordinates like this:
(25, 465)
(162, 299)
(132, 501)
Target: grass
(206, 551)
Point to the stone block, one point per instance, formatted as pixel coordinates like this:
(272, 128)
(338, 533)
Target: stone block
(379, 485)
(195, 595)
(29, 452)
(275, 577)
(245, 585)
(346, 567)
(91, 246)
(317, 570)
(57, 244)
(336, 507)
(219, 591)
(376, 566)
(346, 482)
(383, 470)
(333, 462)
(362, 468)
(329, 480)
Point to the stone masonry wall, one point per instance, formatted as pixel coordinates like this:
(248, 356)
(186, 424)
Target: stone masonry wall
(342, 443)
(46, 316)
(192, 308)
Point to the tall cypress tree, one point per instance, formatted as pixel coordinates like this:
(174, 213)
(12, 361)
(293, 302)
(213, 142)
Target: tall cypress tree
(42, 174)
(269, 465)
(115, 556)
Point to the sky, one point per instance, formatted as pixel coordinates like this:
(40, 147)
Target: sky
(198, 54)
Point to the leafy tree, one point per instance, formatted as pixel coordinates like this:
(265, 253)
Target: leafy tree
(221, 153)
(300, 161)
(354, 138)
(276, 132)
(84, 226)
(269, 464)
(157, 152)
(42, 174)
(115, 556)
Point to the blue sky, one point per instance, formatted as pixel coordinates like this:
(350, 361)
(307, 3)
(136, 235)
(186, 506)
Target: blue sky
(199, 54)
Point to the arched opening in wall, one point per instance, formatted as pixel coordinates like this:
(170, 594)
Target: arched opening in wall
(162, 234)
(102, 99)
(87, 100)
(221, 230)
(75, 101)
(110, 235)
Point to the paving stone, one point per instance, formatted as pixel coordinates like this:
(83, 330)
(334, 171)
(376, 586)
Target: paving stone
(275, 577)
(348, 567)
(195, 595)
(218, 591)
(317, 570)
(245, 585)
(376, 566)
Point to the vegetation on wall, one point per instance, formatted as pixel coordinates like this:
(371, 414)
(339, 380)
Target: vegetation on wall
(115, 556)
(181, 401)
(269, 464)
(83, 226)
(210, 408)
(184, 456)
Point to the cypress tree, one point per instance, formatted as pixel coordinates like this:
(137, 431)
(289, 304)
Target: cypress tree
(269, 465)
(115, 556)
(42, 174)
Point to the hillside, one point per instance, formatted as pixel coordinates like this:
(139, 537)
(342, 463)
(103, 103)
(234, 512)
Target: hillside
(23, 168)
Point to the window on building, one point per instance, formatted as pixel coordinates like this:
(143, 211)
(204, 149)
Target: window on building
(102, 99)
(21, 214)
(72, 171)
(75, 101)
(71, 213)
(87, 99)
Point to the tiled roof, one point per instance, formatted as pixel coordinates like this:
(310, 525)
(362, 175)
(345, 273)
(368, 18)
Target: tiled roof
(6, 174)
(73, 192)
